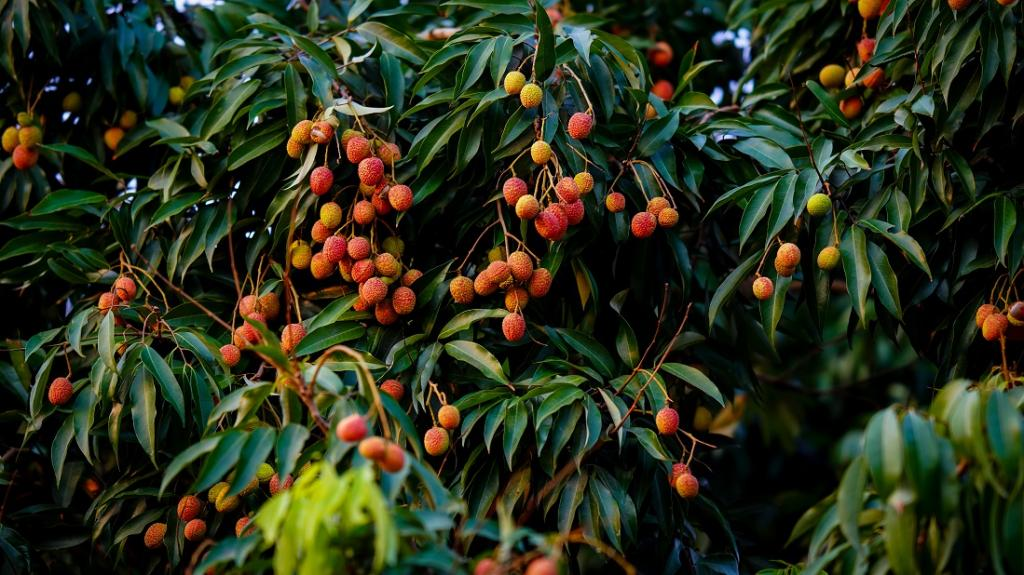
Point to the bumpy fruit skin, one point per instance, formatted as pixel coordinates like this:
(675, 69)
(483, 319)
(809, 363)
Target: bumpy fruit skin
(264, 472)
(24, 158)
(380, 203)
(516, 299)
(851, 107)
(394, 388)
(389, 153)
(958, 5)
(393, 460)
(30, 136)
(394, 246)
(513, 326)
(371, 171)
(321, 267)
(362, 270)
(831, 76)
(125, 289)
(241, 524)
(574, 211)
(215, 492)
(448, 416)
(128, 119)
(663, 89)
(277, 486)
(10, 139)
(869, 9)
(865, 49)
(373, 290)
(819, 204)
(300, 254)
(983, 312)
(403, 300)
(656, 204)
(373, 448)
(875, 79)
(330, 215)
(334, 249)
(668, 218)
(347, 136)
(106, 302)
(358, 149)
(521, 265)
(359, 248)
(531, 95)
(540, 152)
(24, 118)
(660, 54)
(828, 258)
(643, 224)
(302, 131)
(154, 536)
(585, 182)
(436, 441)
(410, 277)
(400, 197)
(527, 207)
(195, 530)
(513, 189)
(483, 286)
(580, 125)
(320, 180)
(461, 288)
(189, 507)
(567, 190)
(247, 305)
(387, 265)
(687, 486)
(291, 335)
(60, 391)
(540, 283)
(353, 428)
(319, 233)
(1015, 314)
(514, 82)
(763, 288)
(542, 566)
(677, 470)
(321, 133)
(994, 327)
(551, 223)
(230, 354)
(615, 202)
(294, 149)
(788, 257)
(667, 421)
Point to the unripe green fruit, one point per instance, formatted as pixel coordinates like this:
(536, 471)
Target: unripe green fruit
(176, 95)
(24, 118)
(819, 204)
(828, 258)
(265, 472)
(394, 246)
(10, 139)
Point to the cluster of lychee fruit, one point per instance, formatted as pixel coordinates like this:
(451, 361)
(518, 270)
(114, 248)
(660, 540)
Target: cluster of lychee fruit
(113, 135)
(176, 94)
(519, 279)
(667, 422)
(386, 454)
(264, 309)
(660, 212)
(120, 294)
(835, 77)
(22, 141)
(543, 565)
(191, 509)
(994, 322)
(787, 257)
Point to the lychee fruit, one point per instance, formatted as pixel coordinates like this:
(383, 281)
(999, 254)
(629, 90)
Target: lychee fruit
(358, 149)
(387, 265)
(403, 300)
(241, 524)
(359, 248)
(277, 486)
(294, 149)
(189, 507)
(687, 486)
(394, 246)
(321, 267)
(958, 5)
(499, 272)
(461, 288)
(302, 131)
(347, 136)
(514, 82)
(819, 204)
(10, 139)
(580, 125)
(230, 354)
(656, 204)
(786, 259)
(320, 180)
(125, 289)
(394, 388)
(319, 232)
(660, 55)
(373, 448)
(353, 428)
(540, 283)
(865, 49)
(410, 277)
(763, 288)
(436, 441)
(334, 249)
(542, 566)
(983, 312)
(300, 254)
(400, 197)
(128, 119)
(330, 215)
(107, 301)
(677, 470)
(379, 201)
(663, 89)
(585, 182)
(643, 224)
(216, 490)
(869, 9)
(516, 299)
(874, 79)
(24, 158)
(567, 190)
(195, 530)
(513, 326)
(364, 213)
(371, 171)
(448, 416)
(394, 459)
(154, 536)
(851, 107)
(60, 391)
(513, 189)
(667, 421)
(291, 335)
(831, 76)
(520, 265)
(1015, 314)
(487, 566)
(994, 327)
(30, 136)
(540, 152)
(389, 153)
(668, 217)
(247, 305)
(322, 132)
(574, 211)
(615, 202)
(363, 270)
(828, 258)
(527, 207)
(483, 286)
(531, 95)
(551, 223)
(373, 290)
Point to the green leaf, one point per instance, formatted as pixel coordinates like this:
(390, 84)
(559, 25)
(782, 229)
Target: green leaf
(556, 401)
(657, 133)
(221, 460)
(143, 394)
(729, 285)
(1004, 224)
(544, 56)
(224, 107)
(1005, 428)
(465, 319)
(515, 424)
(254, 453)
(696, 378)
(850, 501)
(59, 447)
(854, 251)
(82, 155)
(186, 457)
(884, 280)
(830, 106)
(105, 341)
(767, 153)
(649, 441)
(883, 450)
(327, 336)
(60, 200)
(168, 384)
(256, 146)
(393, 41)
(289, 446)
(591, 349)
(477, 356)
(902, 240)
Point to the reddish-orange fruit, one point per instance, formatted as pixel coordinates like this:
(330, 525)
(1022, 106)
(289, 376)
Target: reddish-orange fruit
(958, 5)
(189, 507)
(574, 211)
(865, 49)
(373, 290)
(241, 524)
(787, 258)
(615, 202)
(580, 125)
(320, 180)
(763, 288)
(540, 283)
(371, 171)
(321, 133)
(516, 299)
(230, 354)
(687, 486)
(301, 132)
(499, 272)
(994, 327)
(403, 299)
(483, 285)
(291, 335)
(359, 248)
(513, 189)
(542, 566)
(410, 277)
(394, 388)
(154, 536)
(677, 470)
(358, 149)
(352, 428)
(983, 312)
(663, 89)
(60, 391)
(276, 485)
(24, 157)
(387, 265)
(520, 265)
(124, 288)
(363, 270)
(448, 416)
(380, 203)
(293, 148)
(385, 313)
(667, 421)
(112, 137)
(400, 197)
(373, 448)
(195, 530)
(269, 305)
(668, 217)
(487, 566)
(851, 107)
(656, 204)
(643, 224)
(513, 326)
(321, 267)
(461, 288)
(319, 233)
(874, 79)
(436, 441)
(247, 305)
(527, 207)
(585, 182)
(347, 136)
(551, 223)
(364, 213)
(660, 54)
(335, 248)
(389, 153)
(567, 190)
(394, 459)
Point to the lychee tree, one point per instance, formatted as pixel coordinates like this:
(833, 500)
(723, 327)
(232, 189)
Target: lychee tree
(481, 284)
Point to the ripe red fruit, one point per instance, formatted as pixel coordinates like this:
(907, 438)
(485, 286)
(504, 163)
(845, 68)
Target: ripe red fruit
(498, 272)
(320, 180)
(247, 305)
(321, 267)
(875, 79)
(865, 49)
(357, 149)
(763, 288)
(319, 232)
(516, 298)
(335, 248)
(403, 300)
(60, 391)
(24, 157)
(983, 312)
(359, 248)
(230, 354)
(352, 428)
(394, 459)
(276, 485)
(660, 54)
(551, 223)
(521, 265)
(461, 289)
(269, 305)
(394, 388)
(371, 171)
(585, 182)
(195, 530)
(687, 486)
(513, 326)
(400, 197)
(643, 224)
(387, 265)
(667, 421)
(851, 107)
(486, 566)
(615, 202)
(540, 283)
(656, 204)
(668, 217)
(994, 327)
(389, 153)
(574, 211)
(787, 259)
(448, 416)
(363, 270)
(241, 524)
(364, 213)
(373, 448)
(291, 335)
(527, 207)
(124, 288)
(513, 189)
(483, 285)
(580, 125)
(380, 203)
(663, 89)
(567, 190)
(410, 277)
(321, 133)
(154, 536)
(677, 470)
(189, 507)
(542, 566)
(436, 441)
(373, 290)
